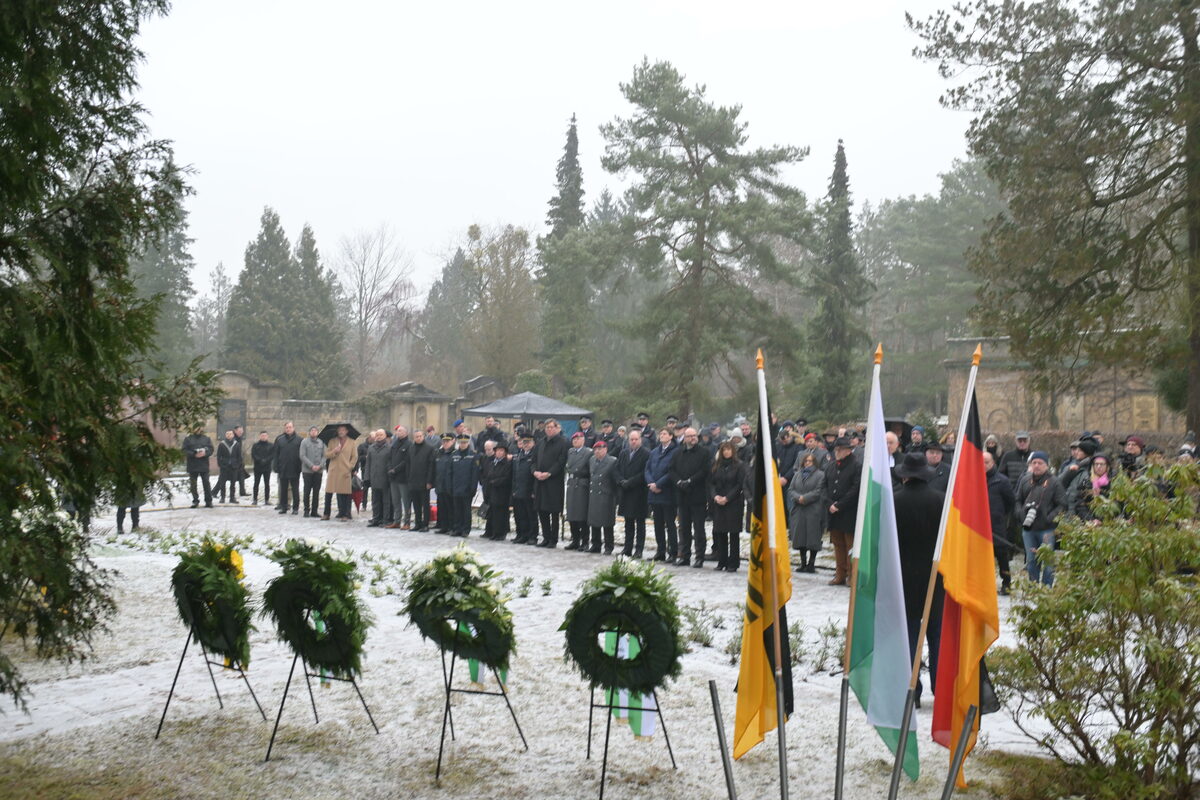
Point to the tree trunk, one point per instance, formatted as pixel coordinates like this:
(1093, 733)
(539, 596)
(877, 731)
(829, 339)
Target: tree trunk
(1191, 98)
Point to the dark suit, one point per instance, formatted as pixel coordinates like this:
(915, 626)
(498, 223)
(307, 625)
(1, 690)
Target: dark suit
(918, 515)
(689, 471)
(498, 491)
(631, 478)
(551, 457)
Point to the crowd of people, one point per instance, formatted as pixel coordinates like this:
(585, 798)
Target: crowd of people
(689, 481)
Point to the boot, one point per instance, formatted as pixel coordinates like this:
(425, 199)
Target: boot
(840, 558)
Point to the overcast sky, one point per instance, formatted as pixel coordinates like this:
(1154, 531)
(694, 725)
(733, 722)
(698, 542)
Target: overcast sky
(432, 116)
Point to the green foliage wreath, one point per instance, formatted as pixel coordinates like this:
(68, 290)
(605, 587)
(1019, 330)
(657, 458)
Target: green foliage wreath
(316, 609)
(456, 587)
(212, 599)
(636, 599)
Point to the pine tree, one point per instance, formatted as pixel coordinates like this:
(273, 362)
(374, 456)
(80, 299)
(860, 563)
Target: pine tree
(162, 270)
(562, 278)
(835, 332)
(282, 322)
(209, 318)
(442, 355)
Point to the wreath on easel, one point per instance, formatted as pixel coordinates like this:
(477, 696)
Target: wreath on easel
(316, 609)
(212, 600)
(455, 587)
(630, 599)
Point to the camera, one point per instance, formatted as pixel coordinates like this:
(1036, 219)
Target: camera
(1030, 515)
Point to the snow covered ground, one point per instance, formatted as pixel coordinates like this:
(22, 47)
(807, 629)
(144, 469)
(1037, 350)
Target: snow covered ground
(100, 716)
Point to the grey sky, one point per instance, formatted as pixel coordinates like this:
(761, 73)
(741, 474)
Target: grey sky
(432, 116)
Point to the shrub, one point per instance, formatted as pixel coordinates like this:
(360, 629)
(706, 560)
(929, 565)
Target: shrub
(1109, 657)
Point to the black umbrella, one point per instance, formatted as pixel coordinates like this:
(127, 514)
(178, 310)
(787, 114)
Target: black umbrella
(329, 432)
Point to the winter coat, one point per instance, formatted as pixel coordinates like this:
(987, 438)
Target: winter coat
(727, 479)
(689, 472)
(1047, 494)
(841, 485)
(808, 506)
(631, 479)
(341, 465)
(1001, 501)
(589, 437)
(615, 443)
(658, 472)
(785, 457)
(378, 459)
(1014, 464)
(523, 482)
(262, 454)
(197, 461)
(578, 488)
(464, 473)
(552, 458)
(420, 465)
(229, 456)
(489, 435)
(312, 454)
(398, 457)
(1080, 499)
(918, 516)
(287, 455)
(941, 476)
(442, 481)
(499, 486)
(602, 492)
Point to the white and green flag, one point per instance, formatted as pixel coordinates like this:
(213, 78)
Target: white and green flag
(880, 664)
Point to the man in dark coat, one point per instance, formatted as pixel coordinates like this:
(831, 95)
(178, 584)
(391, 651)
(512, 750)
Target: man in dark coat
(631, 478)
(1014, 463)
(524, 516)
(464, 481)
(421, 455)
(589, 433)
(444, 484)
(935, 457)
(229, 461)
(499, 493)
(614, 442)
(490, 433)
(288, 467)
(198, 448)
(262, 453)
(649, 435)
(397, 474)
(602, 497)
(1001, 502)
(549, 470)
(916, 440)
(842, 476)
(579, 458)
(689, 471)
(377, 473)
(918, 516)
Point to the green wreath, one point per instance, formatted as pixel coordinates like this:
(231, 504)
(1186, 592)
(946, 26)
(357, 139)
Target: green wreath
(456, 587)
(316, 609)
(212, 600)
(632, 599)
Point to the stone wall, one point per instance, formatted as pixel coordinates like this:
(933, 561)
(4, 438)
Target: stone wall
(1115, 402)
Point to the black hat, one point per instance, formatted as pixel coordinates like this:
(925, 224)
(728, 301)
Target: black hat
(936, 446)
(604, 422)
(588, 417)
(1089, 446)
(500, 445)
(463, 437)
(843, 441)
(672, 418)
(802, 421)
(447, 437)
(525, 435)
(914, 467)
(643, 415)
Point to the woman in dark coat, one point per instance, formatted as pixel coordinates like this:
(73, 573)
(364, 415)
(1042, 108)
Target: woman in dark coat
(727, 499)
(662, 496)
(499, 492)
(806, 497)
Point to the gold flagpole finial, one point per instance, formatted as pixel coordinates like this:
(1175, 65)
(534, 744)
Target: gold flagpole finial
(977, 355)
(879, 353)
(759, 360)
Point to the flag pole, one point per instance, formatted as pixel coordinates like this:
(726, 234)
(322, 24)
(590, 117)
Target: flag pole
(840, 771)
(910, 699)
(765, 452)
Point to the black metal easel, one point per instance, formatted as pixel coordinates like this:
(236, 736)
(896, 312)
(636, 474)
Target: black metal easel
(448, 716)
(232, 666)
(610, 707)
(307, 674)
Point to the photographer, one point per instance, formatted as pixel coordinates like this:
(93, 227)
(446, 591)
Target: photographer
(1041, 500)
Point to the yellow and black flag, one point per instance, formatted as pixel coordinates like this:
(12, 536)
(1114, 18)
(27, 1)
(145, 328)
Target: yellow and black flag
(757, 706)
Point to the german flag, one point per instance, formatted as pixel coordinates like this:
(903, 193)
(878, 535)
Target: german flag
(756, 691)
(971, 620)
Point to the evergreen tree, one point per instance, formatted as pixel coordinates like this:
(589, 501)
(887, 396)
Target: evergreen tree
(836, 335)
(209, 317)
(442, 353)
(503, 340)
(705, 212)
(162, 270)
(282, 322)
(81, 184)
(562, 278)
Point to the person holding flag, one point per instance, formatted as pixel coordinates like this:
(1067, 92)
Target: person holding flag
(764, 691)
